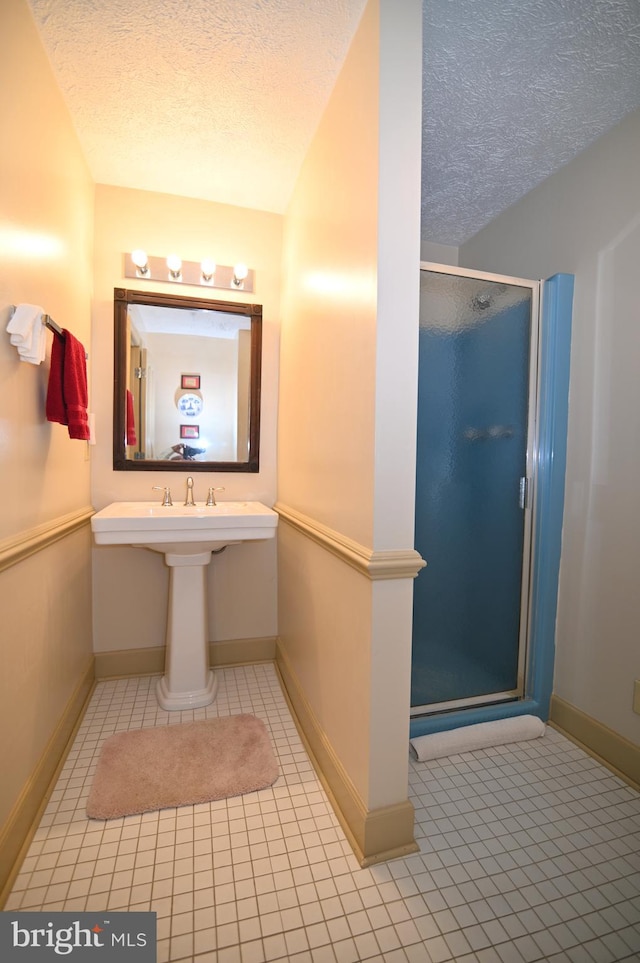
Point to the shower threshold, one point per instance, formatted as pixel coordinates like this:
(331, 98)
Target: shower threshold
(490, 698)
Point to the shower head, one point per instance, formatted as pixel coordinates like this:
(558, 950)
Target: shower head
(485, 299)
(481, 302)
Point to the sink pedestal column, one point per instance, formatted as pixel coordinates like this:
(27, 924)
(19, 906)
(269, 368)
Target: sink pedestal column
(188, 682)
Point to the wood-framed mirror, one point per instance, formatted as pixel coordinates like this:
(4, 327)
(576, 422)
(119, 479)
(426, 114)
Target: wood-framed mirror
(186, 389)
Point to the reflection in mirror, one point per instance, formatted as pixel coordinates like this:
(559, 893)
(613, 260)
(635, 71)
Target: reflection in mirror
(186, 383)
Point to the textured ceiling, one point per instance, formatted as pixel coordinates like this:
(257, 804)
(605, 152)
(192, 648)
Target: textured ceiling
(200, 323)
(219, 99)
(514, 89)
(215, 99)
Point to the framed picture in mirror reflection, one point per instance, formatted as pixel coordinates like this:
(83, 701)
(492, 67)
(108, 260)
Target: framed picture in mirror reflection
(190, 381)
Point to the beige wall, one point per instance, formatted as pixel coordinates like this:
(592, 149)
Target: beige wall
(328, 350)
(46, 212)
(347, 406)
(585, 220)
(130, 585)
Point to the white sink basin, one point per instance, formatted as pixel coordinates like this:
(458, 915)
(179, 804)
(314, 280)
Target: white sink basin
(182, 529)
(186, 535)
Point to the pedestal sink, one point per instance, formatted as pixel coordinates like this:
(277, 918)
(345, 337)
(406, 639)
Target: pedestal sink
(186, 536)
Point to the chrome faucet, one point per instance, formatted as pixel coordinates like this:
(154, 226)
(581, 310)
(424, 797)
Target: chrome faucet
(211, 497)
(189, 499)
(166, 500)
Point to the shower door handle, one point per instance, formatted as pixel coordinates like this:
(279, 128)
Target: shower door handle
(523, 499)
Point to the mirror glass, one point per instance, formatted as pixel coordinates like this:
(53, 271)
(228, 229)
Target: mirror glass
(186, 383)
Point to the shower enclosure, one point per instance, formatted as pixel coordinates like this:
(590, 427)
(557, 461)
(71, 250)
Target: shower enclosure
(478, 460)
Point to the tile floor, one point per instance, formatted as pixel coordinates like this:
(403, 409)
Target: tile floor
(527, 853)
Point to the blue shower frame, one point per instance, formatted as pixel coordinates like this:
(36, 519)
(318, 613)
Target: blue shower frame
(553, 407)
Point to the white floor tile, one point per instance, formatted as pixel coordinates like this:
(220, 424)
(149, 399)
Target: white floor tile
(527, 853)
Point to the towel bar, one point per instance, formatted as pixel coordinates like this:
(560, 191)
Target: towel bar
(48, 321)
(51, 324)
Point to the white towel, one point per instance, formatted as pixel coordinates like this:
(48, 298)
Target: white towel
(483, 735)
(22, 321)
(28, 333)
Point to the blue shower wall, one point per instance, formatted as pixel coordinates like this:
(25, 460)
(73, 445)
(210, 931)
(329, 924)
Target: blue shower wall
(472, 439)
(553, 406)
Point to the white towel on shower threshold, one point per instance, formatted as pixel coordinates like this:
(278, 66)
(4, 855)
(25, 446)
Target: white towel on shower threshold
(482, 735)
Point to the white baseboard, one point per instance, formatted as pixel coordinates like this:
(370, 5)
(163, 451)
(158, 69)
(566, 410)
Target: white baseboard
(16, 834)
(150, 661)
(375, 835)
(613, 750)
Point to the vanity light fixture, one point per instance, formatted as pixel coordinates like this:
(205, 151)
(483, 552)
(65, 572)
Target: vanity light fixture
(204, 273)
(175, 267)
(141, 262)
(240, 272)
(208, 269)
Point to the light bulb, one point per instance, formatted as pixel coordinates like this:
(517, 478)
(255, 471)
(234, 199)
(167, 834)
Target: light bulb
(240, 272)
(140, 260)
(208, 269)
(174, 264)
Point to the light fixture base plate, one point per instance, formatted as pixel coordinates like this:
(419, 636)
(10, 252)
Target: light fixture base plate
(191, 274)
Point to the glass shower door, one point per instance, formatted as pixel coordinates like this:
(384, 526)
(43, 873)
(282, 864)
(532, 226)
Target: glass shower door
(476, 423)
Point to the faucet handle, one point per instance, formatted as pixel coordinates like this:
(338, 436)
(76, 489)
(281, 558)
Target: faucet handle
(211, 498)
(167, 493)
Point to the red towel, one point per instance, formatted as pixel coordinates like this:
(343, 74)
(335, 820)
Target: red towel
(131, 421)
(67, 395)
